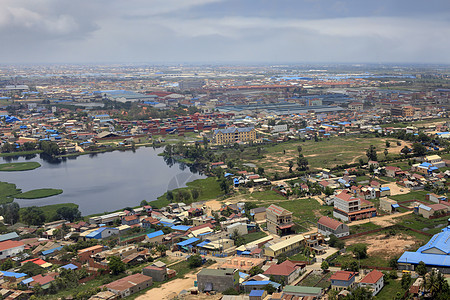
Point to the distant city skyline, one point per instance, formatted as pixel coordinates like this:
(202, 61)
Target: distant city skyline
(220, 31)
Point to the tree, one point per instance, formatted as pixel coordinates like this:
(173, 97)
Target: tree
(361, 162)
(230, 291)
(388, 144)
(386, 152)
(405, 150)
(290, 165)
(116, 265)
(406, 281)
(371, 153)
(393, 262)
(419, 149)
(299, 149)
(195, 261)
(302, 163)
(224, 186)
(169, 196)
(69, 213)
(195, 193)
(360, 250)
(32, 269)
(270, 289)
(7, 264)
(260, 171)
(255, 270)
(33, 215)
(360, 293)
(421, 269)
(324, 266)
(10, 212)
(144, 203)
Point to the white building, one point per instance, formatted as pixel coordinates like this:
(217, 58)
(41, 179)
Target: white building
(373, 281)
(10, 248)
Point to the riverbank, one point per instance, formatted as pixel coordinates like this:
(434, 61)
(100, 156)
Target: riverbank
(20, 166)
(39, 193)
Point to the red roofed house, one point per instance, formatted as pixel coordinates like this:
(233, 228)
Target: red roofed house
(130, 220)
(328, 226)
(373, 281)
(10, 248)
(349, 208)
(342, 280)
(44, 281)
(279, 220)
(390, 171)
(287, 271)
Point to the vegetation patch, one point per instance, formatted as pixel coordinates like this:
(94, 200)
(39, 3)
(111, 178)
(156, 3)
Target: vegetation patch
(50, 211)
(248, 238)
(363, 227)
(20, 166)
(39, 193)
(7, 192)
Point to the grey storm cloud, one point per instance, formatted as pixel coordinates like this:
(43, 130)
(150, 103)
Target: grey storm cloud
(161, 31)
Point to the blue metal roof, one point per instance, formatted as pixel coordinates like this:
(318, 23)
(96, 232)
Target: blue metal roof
(155, 234)
(28, 280)
(243, 275)
(424, 207)
(395, 206)
(440, 241)
(385, 188)
(181, 227)
(13, 274)
(70, 267)
(203, 243)
(262, 282)
(256, 293)
(428, 259)
(188, 242)
(50, 251)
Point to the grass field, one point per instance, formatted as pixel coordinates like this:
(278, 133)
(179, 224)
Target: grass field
(7, 192)
(322, 154)
(389, 291)
(254, 236)
(209, 189)
(306, 211)
(39, 193)
(266, 195)
(363, 227)
(21, 166)
(414, 195)
(417, 222)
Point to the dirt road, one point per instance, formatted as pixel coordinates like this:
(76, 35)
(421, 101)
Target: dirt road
(382, 221)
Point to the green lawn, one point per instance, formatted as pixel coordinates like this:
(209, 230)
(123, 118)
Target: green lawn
(7, 192)
(389, 291)
(266, 195)
(414, 195)
(39, 193)
(21, 166)
(306, 211)
(254, 236)
(21, 153)
(417, 222)
(209, 189)
(363, 227)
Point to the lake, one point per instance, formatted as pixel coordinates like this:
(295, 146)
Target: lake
(101, 182)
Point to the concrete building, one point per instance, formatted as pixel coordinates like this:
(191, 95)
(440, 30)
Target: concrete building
(233, 135)
(129, 285)
(349, 208)
(388, 205)
(218, 280)
(430, 210)
(259, 213)
(343, 280)
(289, 246)
(374, 281)
(286, 272)
(328, 226)
(242, 263)
(158, 274)
(279, 220)
(10, 248)
(240, 228)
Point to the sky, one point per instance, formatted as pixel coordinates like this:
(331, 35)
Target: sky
(224, 31)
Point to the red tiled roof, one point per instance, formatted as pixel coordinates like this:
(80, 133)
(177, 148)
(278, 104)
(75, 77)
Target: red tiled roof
(437, 206)
(131, 218)
(343, 275)
(275, 209)
(284, 269)
(10, 244)
(42, 279)
(128, 282)
(372, 277)
(329, 222)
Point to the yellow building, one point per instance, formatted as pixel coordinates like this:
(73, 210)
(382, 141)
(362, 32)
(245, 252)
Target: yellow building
(233, 135)
(288, 246)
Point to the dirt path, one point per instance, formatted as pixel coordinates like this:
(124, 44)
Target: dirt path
(171, 289)
(382, 221)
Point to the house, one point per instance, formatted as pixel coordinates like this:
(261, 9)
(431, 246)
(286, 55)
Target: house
(343, 280)
(242, 263)
(85, 254)
(10, 248)
(102, 233)
(287, 272)
(435, 254)
(289, 246)
(43, 280)
(155, 237)
(435, 198)
(384, 191)
(148, 222)
(328, 226)
(129, 285)
(233, 135)
(259, 213)
(349, 208)
(291, 291)
(12, 236)
(390, 171)
(217, 280)
(130, 220)
(257, 294)
(279, 220)
(158, 274)
(430, 210)
(388, 204)
(373, 281)
(240, 228)
(435, 160)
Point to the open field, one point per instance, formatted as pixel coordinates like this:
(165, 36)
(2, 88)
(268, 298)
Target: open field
(254, 236)
(416, 222)
(39, 193)
(389, 291)
(208, 189)
(323, 154)
(317, 279)
(7, 192)
(363, 227)
(21, 166)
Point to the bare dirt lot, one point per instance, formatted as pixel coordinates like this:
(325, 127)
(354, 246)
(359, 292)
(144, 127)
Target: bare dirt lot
(385, 246)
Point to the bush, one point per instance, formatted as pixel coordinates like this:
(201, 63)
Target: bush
(230, 291)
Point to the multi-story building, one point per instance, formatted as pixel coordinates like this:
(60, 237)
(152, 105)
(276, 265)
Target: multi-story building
(233, 135)
(349, 208)
(218, 280)
(373, 281)
(279, 220)
(288, 247)
(328, 226)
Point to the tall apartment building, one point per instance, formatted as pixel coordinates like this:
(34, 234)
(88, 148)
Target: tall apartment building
(233, 135)
(349, 208)
(279, 220)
